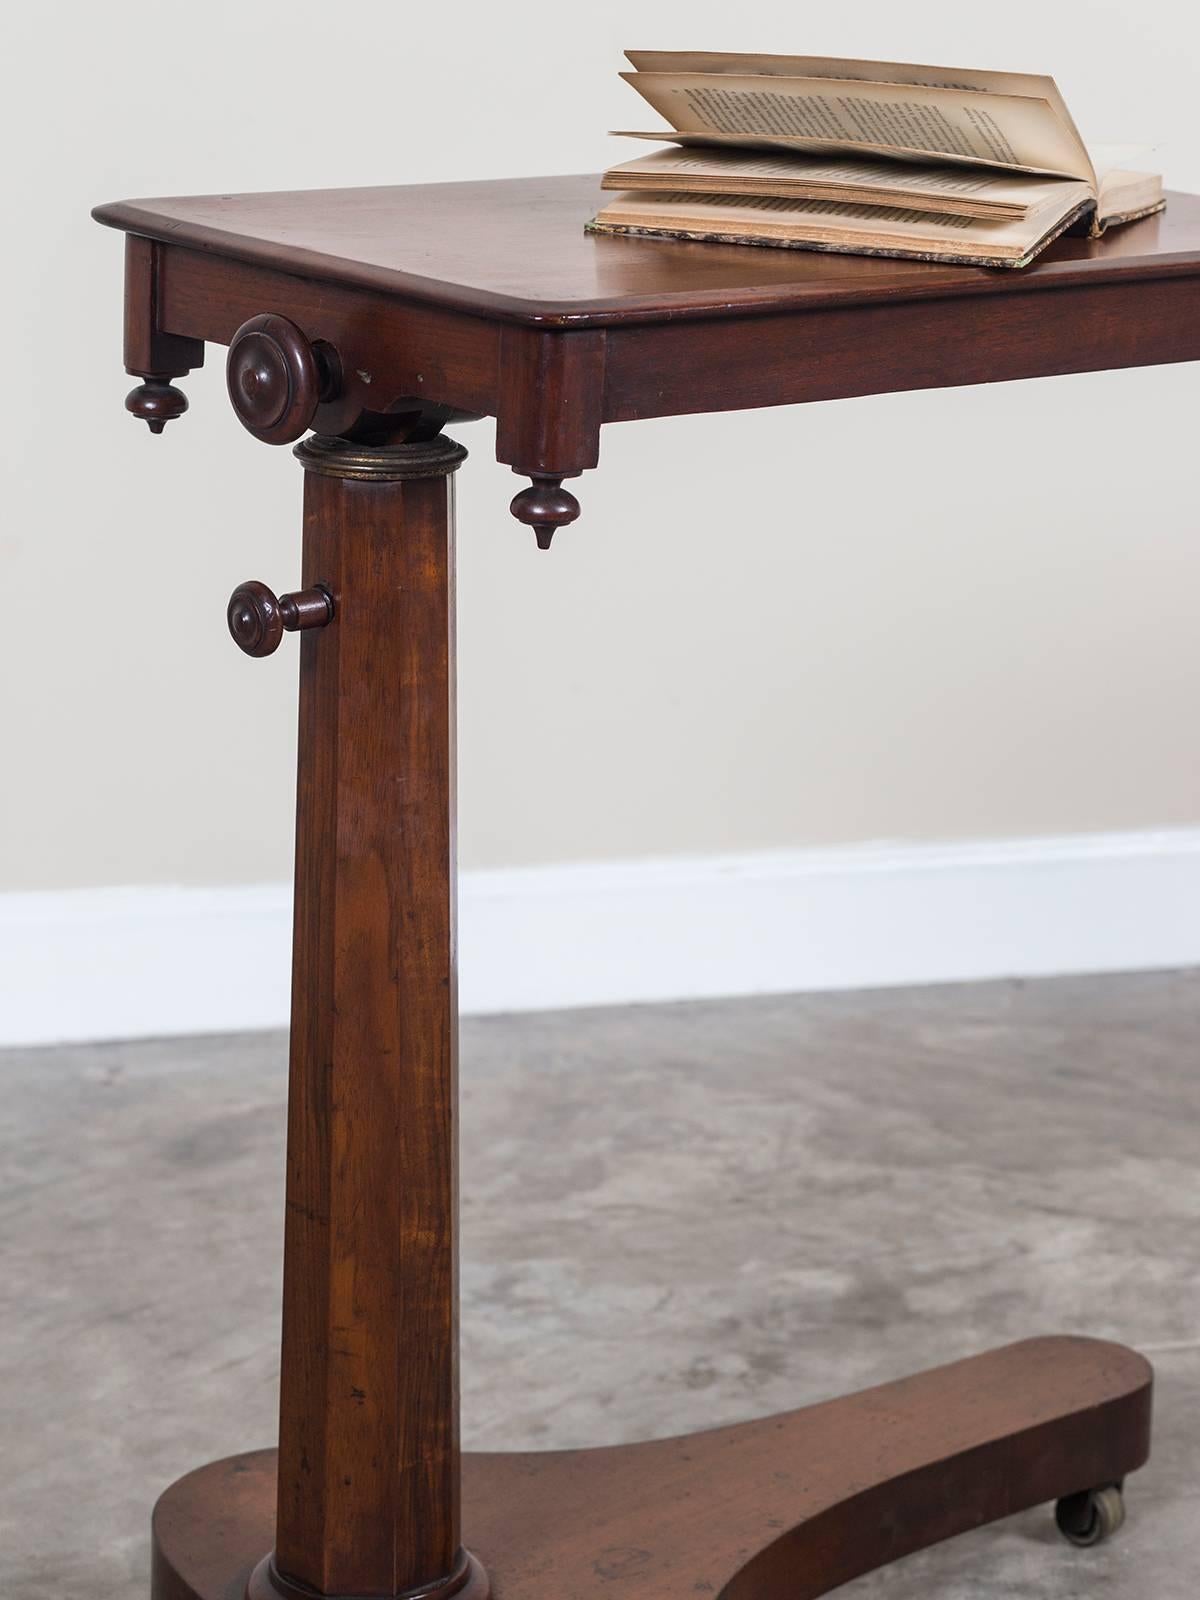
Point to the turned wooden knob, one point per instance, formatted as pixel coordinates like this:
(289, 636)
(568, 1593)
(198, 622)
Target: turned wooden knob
(277, 379)
(157, 402)
(545, 506)
(258, 618)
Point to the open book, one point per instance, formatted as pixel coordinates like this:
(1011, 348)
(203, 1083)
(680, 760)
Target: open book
(870, 157)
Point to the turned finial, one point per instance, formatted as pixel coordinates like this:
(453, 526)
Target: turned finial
(545, 506)
(157, 402)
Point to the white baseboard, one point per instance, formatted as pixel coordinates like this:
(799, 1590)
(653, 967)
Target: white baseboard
(138, 962)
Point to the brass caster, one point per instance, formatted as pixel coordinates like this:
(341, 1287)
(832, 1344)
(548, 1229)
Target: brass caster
(1092, 1517)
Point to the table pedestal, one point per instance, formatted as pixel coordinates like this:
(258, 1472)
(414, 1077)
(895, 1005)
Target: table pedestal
(785, 1508)
(378, 317)
(362, 1497)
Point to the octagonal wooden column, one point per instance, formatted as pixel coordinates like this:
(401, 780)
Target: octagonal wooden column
(369, 1449)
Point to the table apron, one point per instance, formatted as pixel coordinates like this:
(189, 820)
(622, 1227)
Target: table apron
(551, 388)
(389, 349)
(672, 369)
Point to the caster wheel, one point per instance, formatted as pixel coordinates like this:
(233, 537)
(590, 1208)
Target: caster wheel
(1092, 1517)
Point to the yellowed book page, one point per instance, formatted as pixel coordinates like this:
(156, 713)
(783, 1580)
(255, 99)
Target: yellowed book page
(1128, 194)
(798, 147)
(1028, 85)
(970, 191)
(1038, 86)
(831, 224)
(1010, 131)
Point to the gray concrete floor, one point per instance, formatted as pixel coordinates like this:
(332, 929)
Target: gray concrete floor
(673, 1217)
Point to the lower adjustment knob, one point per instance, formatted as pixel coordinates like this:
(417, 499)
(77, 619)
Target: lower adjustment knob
(258, 619)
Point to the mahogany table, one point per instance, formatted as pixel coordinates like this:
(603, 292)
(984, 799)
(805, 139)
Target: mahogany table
(374, 316)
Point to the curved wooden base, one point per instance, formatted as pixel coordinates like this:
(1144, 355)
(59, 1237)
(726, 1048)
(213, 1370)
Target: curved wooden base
(784, 1508)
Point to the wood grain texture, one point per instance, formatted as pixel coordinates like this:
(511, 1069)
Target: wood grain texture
(390, 359)
(514, 250)
(673, 369)
(148, 348)
(785, 1508)
(368, 1457)
(560, 433)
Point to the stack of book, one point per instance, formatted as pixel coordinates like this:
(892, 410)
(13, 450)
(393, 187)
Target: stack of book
(865, 157)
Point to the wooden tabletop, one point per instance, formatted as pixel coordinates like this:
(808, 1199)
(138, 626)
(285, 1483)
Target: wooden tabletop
(463, 299)
(515, 250)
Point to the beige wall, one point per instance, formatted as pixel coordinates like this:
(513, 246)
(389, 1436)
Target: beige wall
(926, 616)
